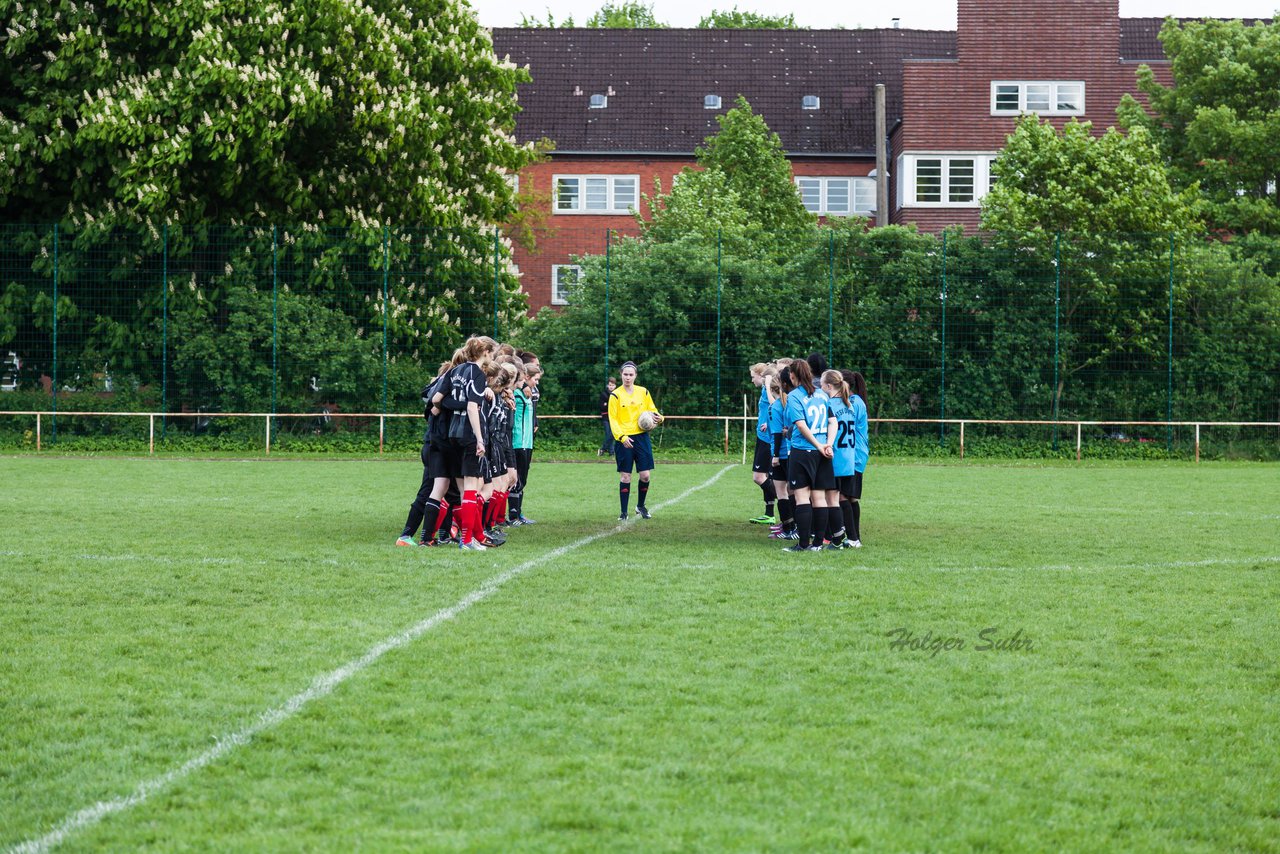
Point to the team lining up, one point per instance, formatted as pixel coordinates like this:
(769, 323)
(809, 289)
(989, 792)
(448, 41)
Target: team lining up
(811, 452)
(811, 448)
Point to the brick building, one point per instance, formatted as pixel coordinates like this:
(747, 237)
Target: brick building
(626, 107)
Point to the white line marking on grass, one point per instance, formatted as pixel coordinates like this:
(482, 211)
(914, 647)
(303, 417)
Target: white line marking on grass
(320, 687)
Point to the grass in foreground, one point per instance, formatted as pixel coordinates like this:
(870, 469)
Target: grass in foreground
(681, 684)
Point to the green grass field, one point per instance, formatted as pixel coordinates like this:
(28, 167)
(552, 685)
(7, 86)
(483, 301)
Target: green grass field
(677, 684)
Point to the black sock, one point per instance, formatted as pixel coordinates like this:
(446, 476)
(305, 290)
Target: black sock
(856, 530)
(624, 496)
(448, 521)
(644, 490)
(770, 496)
(846, 511)
(804, 523)
(415, 519)
(787, 513)
(430, 510)
(819, 525)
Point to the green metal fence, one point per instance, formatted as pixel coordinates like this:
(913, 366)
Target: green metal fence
(209, 319)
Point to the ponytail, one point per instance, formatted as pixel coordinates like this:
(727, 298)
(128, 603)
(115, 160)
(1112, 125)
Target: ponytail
(857, 384)
(801, 376)
(836, 380)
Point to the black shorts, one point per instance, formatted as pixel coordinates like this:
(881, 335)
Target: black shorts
(436, 461)
(810, 470)
(780, 470)
(850, 486)
(640, 454)
(461, 461)
(763, 460)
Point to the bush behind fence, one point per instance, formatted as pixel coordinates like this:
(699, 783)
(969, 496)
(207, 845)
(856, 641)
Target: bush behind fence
(213, 318)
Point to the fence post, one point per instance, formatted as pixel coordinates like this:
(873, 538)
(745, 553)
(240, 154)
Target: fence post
(164, 336)
(53, 432)
(831, 293)
(495, 283)
(607, 248)
(1057, 311)
(719, 288)
(942, 382)
(275, 336)
(386, 269)
(1169, 394)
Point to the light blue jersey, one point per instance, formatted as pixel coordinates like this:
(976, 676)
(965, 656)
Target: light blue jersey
(813, 411)
(778, 424)
(762, 417)
(861, 442)
(843, 460)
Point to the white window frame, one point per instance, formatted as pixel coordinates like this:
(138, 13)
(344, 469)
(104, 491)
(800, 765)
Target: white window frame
(867, 185)
(710, 102)
(598, 101)
(581, 209)
(816, 105)
(557, 297)
(1056, 94)
(907, 163)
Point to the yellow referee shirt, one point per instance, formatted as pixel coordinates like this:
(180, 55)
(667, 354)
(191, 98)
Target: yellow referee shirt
(625, 409)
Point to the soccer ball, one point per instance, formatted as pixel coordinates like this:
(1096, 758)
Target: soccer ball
(648, 420)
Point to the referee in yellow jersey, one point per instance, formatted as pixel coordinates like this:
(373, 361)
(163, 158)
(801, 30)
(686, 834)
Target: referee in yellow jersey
(633, 448)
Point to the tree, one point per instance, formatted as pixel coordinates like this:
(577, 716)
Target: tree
(548, 22)
(343, 114)
(735, 19)
(626, 15)
(747, 184)
(1218, 124)
(1102, 211)
(377, 135)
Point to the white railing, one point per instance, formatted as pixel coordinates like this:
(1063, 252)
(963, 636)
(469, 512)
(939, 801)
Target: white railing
(746, 420)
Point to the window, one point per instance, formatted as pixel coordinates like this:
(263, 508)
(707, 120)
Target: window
(564, 277)
(954, 180)
(809, 102)
(1046, 97)
(711, 102)
(598, 102)
(596, 194)
(837, 196)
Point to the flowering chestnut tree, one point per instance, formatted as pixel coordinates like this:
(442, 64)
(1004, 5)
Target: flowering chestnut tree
(384, 127)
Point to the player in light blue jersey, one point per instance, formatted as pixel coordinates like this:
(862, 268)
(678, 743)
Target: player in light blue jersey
(760, 461)
(842, 461)
(780, 450)
(851, 491)
(809, 472)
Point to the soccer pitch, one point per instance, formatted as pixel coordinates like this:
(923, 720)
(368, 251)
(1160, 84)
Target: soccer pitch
(232, 655)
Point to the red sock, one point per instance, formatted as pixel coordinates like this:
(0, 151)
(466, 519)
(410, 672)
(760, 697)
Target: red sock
(440, 517)
(501, 512)
(469, 515)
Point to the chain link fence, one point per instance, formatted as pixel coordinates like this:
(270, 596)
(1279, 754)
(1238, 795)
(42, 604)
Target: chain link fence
(201, 320)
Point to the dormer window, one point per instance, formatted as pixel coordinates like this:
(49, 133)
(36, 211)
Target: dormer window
(1045, 97)
(809, 102)
(711, 102)
(598, 102)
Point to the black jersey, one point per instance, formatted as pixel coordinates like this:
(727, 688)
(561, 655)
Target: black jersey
(466, 385)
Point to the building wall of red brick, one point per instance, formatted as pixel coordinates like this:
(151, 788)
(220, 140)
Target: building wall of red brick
(561, 237)
(947, 104)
